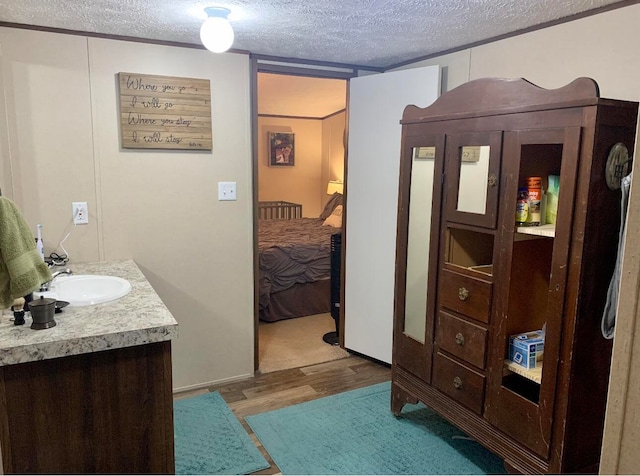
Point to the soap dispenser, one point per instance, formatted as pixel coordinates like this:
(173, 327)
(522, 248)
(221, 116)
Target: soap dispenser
(39, 243)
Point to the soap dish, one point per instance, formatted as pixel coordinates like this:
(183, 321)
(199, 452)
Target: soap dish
(60, 305)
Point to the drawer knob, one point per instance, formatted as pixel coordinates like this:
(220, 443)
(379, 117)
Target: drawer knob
(493, 180)
(463, 294)
(457, 382)
(459, 339)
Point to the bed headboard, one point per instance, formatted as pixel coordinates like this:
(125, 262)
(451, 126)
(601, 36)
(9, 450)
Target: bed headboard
(279, 210)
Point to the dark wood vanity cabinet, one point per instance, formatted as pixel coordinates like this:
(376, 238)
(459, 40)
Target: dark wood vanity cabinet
(107, 412)
(468, 278)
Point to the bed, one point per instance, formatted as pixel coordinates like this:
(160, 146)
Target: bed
(279, 210)
(295, 263)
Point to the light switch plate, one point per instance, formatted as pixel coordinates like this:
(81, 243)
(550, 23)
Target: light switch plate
(226, 190)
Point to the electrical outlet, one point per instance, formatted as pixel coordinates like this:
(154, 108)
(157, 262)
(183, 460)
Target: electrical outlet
(80, 213)
(226, 190)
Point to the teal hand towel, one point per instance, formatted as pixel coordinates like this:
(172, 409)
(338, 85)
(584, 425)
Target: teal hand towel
(21, 267)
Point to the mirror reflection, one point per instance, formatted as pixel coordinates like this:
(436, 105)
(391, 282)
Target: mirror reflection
(418, 242)
(474, 174)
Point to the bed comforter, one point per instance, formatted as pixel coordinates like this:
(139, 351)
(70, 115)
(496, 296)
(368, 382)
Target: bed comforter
(291, 252)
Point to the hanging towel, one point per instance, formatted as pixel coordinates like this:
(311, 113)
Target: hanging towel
(610, 308)
(21, 267)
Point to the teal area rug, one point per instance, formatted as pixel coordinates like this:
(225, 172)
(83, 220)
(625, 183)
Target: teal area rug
(356, 433)
(209, 439)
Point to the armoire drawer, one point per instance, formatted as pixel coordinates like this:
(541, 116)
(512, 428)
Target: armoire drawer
(459, 382)
(461, 338)
(465, 295)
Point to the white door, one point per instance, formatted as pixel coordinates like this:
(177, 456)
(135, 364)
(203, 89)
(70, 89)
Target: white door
(376, 104)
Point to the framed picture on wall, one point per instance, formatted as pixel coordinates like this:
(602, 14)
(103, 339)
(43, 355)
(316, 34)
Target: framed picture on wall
(281, 149)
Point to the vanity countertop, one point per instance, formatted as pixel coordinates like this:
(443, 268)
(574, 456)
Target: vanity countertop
(138, 318)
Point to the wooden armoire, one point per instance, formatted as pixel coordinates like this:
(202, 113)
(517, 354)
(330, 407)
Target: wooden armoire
(468, 277)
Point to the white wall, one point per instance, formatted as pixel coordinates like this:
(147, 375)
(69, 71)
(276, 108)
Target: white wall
(454, 68)
(46, 134)
(604, 47)
(59, 139)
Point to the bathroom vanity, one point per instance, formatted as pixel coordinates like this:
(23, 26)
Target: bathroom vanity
(94, 393)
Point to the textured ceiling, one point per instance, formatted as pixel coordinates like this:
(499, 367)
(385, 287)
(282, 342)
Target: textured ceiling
(376, 33)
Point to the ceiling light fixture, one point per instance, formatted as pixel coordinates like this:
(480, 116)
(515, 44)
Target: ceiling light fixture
(216, 33)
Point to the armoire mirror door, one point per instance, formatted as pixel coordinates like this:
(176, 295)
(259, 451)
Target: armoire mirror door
(472, 178)
(418, 210)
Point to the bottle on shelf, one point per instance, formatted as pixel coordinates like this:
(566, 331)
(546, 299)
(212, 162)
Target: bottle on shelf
(553, 191)
(534, 192)
(522, 207)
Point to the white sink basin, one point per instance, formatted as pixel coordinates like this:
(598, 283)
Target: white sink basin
(87, 290)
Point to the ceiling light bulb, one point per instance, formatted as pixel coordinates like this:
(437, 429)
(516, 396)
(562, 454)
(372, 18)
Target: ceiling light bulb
(216, 33)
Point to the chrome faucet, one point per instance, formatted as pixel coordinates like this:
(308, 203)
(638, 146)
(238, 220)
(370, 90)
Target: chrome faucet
(45, 286)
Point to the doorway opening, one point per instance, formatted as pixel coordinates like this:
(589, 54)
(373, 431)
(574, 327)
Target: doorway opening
(299, 132)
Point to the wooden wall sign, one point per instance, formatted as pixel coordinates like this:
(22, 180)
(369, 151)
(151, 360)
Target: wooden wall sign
(164, 112)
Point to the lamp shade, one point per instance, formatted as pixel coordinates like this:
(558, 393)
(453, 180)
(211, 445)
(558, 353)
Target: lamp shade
(216, 33)
(334, 186)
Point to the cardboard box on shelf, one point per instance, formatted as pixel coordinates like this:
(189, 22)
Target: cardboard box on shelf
(527, 349)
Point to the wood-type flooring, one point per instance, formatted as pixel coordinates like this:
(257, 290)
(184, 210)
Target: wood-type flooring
(274, 390)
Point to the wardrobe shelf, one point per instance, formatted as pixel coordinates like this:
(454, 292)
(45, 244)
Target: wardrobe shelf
(534, 375)
(548, 231)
